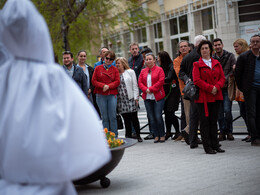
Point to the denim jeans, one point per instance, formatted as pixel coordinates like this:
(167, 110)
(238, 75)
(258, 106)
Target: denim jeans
(107, 105)
(225, 118)
(154, 112)
(252, 101)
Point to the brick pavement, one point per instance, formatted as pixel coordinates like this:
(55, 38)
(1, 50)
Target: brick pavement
(174, 168)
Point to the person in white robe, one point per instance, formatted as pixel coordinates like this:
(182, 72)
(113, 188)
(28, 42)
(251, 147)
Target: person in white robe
(50, 134)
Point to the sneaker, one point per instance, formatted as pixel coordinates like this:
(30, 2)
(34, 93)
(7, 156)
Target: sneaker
(255, 142)
(150, 136)
(230, 137)
(221, 137)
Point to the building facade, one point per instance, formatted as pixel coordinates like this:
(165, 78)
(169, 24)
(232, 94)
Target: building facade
(184, 19)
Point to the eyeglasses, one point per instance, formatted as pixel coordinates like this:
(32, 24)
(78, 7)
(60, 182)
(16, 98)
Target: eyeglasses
(111, 59)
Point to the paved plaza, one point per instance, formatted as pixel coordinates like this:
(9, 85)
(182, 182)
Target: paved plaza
(173, 168)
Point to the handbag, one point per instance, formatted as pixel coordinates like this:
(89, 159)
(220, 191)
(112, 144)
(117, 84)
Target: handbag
(119, 122)
(191, 91)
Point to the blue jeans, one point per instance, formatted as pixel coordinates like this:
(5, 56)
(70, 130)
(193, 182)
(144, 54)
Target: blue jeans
(154, 112)
(107, 105)
(225, 118)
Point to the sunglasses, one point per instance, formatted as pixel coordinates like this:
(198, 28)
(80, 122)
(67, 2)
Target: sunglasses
(111, 59)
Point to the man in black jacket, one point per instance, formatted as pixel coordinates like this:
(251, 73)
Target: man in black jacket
(185, 74)
(247, 75)
(75, 72)
(136, 60)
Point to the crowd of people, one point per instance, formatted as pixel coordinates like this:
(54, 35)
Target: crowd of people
(159, 81)
(50, 132)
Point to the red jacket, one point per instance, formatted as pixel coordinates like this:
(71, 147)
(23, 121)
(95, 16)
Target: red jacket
(108, 77)
(206, 78)
(158, 76)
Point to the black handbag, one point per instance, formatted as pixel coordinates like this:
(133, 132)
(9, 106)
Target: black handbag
(191, 91)
(119, 122)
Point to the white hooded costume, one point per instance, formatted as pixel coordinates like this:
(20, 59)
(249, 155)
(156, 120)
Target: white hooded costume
(49, 133)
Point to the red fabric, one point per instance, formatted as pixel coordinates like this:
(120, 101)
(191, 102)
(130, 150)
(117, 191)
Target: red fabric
(158, 76)
(206, 78)
(108, 77)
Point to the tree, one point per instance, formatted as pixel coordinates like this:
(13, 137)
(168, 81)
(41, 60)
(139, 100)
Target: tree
(82, 19)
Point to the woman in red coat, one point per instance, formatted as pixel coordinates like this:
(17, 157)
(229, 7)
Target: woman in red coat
(208, 75)
(151, 82)
(106, 80)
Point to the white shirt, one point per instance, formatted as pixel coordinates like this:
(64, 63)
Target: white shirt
(207, 62)
(149, 84)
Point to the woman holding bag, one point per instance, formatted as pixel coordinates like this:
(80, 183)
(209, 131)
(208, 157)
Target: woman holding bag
(208, 75)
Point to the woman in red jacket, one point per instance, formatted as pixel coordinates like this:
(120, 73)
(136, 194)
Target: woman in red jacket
(208, 75)
(106, 80)
(151, 82)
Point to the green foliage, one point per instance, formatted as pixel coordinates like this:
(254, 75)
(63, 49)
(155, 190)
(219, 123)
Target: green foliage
(83, 21)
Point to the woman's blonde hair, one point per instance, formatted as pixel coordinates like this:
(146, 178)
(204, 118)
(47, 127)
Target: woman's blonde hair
(242, 43)
(124, 62)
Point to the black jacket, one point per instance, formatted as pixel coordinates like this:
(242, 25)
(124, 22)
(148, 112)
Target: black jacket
(245, 70)
(136, 63)
(80, 78)
(187, 65)
(227, 60)
(172, 94)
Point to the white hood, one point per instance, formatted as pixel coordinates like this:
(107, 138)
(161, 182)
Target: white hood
(49, 132)
(25, 33)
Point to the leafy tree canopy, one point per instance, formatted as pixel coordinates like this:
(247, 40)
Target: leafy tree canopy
(83, 20)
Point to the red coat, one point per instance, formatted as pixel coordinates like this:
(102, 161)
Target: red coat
(158, 76)
(206, 78)
(108, 77)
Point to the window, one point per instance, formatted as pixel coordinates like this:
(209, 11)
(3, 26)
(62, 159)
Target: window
(173, 26)
(158, 30)
(183, 21)
(142, 35)
(207, 20)
(174, 43)
(116, 45)
(179, 25)
(187, 38)
(127, 39)
(249, 10)
(158, 47)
